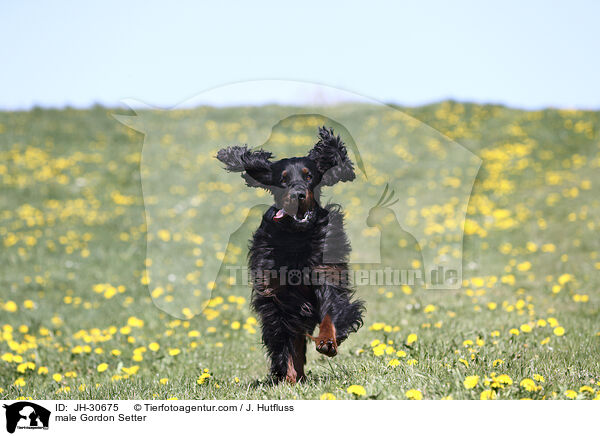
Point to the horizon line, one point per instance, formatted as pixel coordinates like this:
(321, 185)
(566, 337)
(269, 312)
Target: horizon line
(146, 106)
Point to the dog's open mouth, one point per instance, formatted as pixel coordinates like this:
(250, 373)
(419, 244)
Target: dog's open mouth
(281, 213)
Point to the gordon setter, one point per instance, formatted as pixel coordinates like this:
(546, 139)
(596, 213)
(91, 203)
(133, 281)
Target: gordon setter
(298, 256)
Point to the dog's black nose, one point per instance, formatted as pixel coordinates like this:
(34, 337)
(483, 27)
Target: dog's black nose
(298, 195)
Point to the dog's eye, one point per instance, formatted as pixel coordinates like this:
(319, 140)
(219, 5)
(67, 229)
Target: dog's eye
(306, 173)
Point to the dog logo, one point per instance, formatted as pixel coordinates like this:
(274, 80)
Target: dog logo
(26, 415)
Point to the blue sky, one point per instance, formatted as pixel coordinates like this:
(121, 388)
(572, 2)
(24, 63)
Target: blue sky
(529, 55)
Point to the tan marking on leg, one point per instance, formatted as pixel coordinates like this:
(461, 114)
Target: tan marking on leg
(299, 358)
(325, 342)
(291, 375)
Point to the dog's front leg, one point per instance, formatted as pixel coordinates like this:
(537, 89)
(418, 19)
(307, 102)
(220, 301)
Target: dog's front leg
(288, 357)
(286, 348)
(325, 341)
(338, 317)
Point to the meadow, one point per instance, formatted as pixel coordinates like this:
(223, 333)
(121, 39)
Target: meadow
(109, 241)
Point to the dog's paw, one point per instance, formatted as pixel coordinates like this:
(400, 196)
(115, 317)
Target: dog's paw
(326, 346)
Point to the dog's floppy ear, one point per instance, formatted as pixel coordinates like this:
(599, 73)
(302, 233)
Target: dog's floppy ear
(255, 164)
(331, 158)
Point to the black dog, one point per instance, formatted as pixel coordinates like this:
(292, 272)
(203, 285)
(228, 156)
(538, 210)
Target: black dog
(298, 256)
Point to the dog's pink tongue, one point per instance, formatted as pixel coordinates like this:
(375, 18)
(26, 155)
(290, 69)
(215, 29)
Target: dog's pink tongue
(280, 214)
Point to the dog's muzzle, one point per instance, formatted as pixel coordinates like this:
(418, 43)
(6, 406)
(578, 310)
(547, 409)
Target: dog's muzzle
(281, 213)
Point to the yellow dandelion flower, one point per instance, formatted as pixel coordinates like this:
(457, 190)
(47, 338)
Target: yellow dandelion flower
(411, 339)
(132, 321)
(539, 378)
(356, 390)
(203, 377)
(570, 394)
(471, 381)
(487, 395)
(528, 384)
(154, 346)
(559, 331)
(102, 367)
(10, 306)
(379, 350)
(429, 308)
(525, 328)
(131, 370)
(25, 366)
(110, 292)
(414, 394)
(553, 322)
(504, 379)
(57, 377)
(565, 278)
(393, 363)
(174, 351)
(587, 389)
(327, 396)
(164, 235)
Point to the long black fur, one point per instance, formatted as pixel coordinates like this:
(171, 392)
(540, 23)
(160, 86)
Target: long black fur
(291, 311)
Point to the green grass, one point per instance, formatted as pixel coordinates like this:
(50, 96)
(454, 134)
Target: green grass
(72, 217)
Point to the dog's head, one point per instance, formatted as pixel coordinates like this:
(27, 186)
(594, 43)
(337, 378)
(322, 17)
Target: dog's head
(295, 182)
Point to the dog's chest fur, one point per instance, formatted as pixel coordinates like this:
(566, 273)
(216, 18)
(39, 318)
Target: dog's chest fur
(291, 249)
